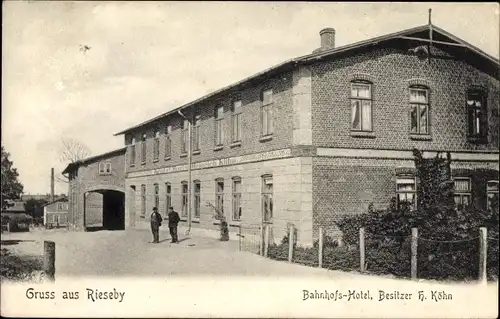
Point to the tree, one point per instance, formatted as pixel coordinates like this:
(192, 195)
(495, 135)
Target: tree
(11, 187)
(219, 215)
(71, 151)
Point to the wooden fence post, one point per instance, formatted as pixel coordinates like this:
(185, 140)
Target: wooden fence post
(49, 259)
(362, 249)
(414, 252)
(266, 240)
(261, 241)
(291, 239)
(320, 248)
(483, 249)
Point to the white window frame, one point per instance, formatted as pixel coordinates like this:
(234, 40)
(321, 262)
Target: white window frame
(156, 145)
(156, 189)
(196, 132)
(405, 180)
(219, 195)
(168, 197)
(184, 198)
(415, 108)
(491, 191)
(236, 121)
(479, 113)
(197, 199)
(219, 125)
(360, 103)
(267, 199)
(184, 136)
(266, 117)
(143, 148)
(462, 193)
(236, 207)
(132, 152)
(143, 200)
(168, 141)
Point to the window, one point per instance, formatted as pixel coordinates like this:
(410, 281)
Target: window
(143, 201)
(185, 136)
(492, 193)
(157, 195)
(168, 141)
(196, 133)
(168, 197)
(361, 106)
(219, 133)
(406, 192)
(104, 168)
(236, 121)
(156, 145)
(236, 199)
(132, 152)
(184, 198)
(143, 148)
(267, 199)
(476, 113)
(219, 197)
(419, 110)
(60, 206)
(462, 192)
(197, 202)
(267, 113)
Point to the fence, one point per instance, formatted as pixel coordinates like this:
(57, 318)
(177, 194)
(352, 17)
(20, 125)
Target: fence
(403, 255)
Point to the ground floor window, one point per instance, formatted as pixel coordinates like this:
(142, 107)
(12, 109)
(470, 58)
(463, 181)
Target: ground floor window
(236, 199)
(184, 199)
(143, 200)
(168, 197)
(267, 198)
(157, 195)
(219, 198)
(462, 192)
(197, 203)
(492, 193)
(406, 189)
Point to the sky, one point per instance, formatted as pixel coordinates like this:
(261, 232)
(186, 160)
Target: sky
(146, 58)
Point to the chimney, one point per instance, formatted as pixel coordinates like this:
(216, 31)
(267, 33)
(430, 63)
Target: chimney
(52, 184)
(327, 36)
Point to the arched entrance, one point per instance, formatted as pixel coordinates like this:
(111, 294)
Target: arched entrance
(104, 210)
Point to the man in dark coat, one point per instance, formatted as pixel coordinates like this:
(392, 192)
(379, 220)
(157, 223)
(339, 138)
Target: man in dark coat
(155, 225)
(173, 220)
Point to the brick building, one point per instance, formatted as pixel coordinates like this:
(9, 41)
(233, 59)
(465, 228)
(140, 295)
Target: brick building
(322, 135)
(55, 213)
(96, 192)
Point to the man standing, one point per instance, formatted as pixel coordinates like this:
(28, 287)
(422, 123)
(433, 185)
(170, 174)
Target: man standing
(173, 220)
(155, 225)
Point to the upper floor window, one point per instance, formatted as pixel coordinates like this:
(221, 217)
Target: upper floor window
(196, 133)
(267, 113)
(143, 148)
(60, 206)
(219, 132)
(492, 193)
(156, 145)
(168, 141)
(406, 191)
(419, 110)
(361, 106)
(132, 152)
(476, 113)
(267, 198)
(462, 192)
(185, 136)
(104, 168)
(236, 121)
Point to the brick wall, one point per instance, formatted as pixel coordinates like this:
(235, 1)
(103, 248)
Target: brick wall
(251, 108)
(391, 71)
(88, 179)
(343, 186)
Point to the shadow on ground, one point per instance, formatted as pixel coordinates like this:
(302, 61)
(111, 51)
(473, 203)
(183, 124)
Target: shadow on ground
(14, 242)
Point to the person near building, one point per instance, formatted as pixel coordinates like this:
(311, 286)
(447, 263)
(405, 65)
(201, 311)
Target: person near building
(155, 225)
(173, 221)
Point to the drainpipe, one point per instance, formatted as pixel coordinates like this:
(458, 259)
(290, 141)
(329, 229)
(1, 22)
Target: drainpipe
(189, 171)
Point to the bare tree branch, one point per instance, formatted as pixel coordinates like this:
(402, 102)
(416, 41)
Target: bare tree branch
(73, 150)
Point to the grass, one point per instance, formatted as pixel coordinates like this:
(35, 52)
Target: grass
(19, 268)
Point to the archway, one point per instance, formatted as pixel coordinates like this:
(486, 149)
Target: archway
(104, 210)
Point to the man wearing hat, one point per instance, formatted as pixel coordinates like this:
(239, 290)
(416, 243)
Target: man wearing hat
(173, 220)
(155, 225)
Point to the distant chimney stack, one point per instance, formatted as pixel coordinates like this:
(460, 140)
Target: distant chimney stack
(327, 36)
(52, 184)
